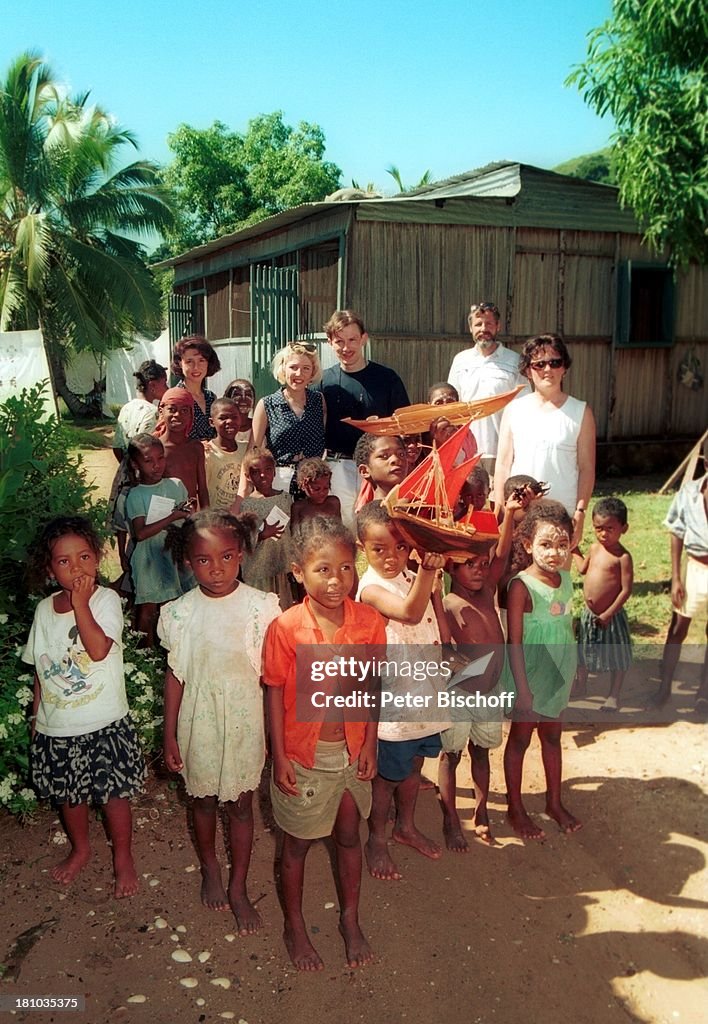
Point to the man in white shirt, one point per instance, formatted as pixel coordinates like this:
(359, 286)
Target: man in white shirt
(486, 369)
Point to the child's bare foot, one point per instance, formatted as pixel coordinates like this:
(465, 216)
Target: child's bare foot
(379, 861)
(66, 870)
(213, 892)
(247, 917)
(660, 699)
(523, 825)
(302, 953)
(126, 878)
(481, 827)
(357, 948)
(455, 837)
(418, 841)
(566, 821)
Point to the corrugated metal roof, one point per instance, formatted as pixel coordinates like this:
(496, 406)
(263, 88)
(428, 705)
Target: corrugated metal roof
(539, 197)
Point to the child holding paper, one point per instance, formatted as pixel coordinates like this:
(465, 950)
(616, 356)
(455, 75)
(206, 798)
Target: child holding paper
(267, 567)
(152, 504)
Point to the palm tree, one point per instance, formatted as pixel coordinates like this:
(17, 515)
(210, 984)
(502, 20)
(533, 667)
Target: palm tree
(67, 210)
(425, 179)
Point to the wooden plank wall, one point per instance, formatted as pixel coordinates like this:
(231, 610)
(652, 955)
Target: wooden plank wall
(413, 284)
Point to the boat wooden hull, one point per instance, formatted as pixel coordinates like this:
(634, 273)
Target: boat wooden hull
(457, 542)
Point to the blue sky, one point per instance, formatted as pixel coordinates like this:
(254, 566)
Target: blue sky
(445, 87)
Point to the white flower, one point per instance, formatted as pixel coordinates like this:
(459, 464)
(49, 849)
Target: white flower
(28, 794)
(3, 731)
(3, 619)
(24, 696)
(15, 718)
(129, 667)
(24, 678)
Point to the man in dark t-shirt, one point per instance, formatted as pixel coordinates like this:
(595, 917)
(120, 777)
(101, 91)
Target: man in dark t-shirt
(358, 388)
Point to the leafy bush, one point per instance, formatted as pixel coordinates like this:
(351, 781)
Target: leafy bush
(144, 670)
(39, 479)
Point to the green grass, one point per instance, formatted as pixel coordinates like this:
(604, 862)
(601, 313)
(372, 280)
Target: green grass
(88, 433)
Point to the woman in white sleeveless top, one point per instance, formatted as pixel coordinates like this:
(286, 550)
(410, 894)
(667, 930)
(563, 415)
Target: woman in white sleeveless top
(549, 435)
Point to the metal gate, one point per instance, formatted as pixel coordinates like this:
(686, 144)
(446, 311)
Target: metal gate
(275, 318)
(180, 317)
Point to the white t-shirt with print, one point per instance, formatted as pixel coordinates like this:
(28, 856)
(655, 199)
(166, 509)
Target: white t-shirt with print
(78, 695)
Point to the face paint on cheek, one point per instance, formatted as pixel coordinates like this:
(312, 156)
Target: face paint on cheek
(550, 547)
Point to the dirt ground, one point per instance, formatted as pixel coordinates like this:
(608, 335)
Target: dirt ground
(607, 925)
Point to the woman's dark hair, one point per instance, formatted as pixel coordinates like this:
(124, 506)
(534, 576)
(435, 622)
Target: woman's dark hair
(203, 347)
(179, 536)
(50, 533)
(547, 511)
(552, 341)
(147, 372)
(312, 533)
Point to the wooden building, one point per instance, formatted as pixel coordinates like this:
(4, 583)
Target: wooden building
(555, 253)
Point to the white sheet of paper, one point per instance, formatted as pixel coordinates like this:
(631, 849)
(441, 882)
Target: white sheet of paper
(159, 508)
(276, 517)
(475, 668)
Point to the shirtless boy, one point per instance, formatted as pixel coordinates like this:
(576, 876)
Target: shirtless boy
(314, 477)
(473, 619)
(605, 644)
(185, 459)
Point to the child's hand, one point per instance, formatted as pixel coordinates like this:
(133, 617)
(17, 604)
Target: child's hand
(366, 767)
(517, 500)
(439, 580)
(81, 589)
(171, 755)
(432, 560)
(284, 777)
(678, 593)
(272, 530)
(523, 707)
(603, 620)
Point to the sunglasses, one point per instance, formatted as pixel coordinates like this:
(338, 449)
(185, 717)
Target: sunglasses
(485, 307)
(308, 346)
(541, 364)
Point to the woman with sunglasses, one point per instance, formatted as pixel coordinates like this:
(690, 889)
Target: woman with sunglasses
(291, 422)
(548, 434)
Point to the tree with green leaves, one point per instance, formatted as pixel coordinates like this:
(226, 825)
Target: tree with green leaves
(648, 67)
(225, 180)
(69, 217)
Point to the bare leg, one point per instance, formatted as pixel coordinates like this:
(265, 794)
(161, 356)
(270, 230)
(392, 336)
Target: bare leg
(146, 616)
(120, 828)
(516, 746)
(447, 783)
(378, 858)
(616, 681)
(580, 683)
(549, 734)
(678, 630)
(292, 874)
(204, 813)
(348, 849)
(405, 831)
(75, 819)
(240, 818)
(480, 776)
(702, 694)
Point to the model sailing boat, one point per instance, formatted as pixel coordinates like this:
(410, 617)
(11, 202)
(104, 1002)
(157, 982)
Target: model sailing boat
(415, 419)
(423, 504)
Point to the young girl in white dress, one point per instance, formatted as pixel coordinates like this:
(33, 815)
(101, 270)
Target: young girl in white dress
(214, 733)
